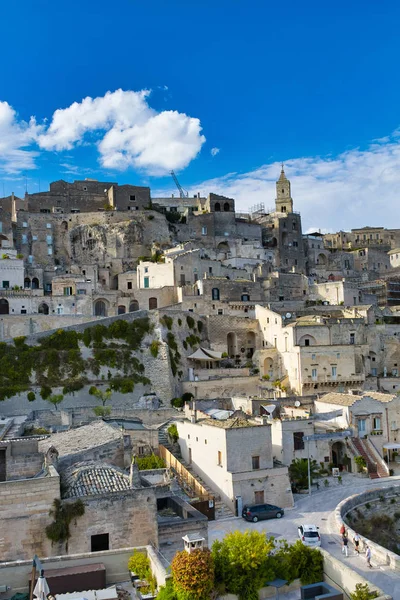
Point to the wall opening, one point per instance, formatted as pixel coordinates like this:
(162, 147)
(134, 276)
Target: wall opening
(100, 542)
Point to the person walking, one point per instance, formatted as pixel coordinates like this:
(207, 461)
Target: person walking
(356, 541)
(368, 556)
(342, 530)
(345, 542)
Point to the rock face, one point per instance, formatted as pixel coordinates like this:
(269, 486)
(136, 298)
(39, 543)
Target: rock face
(150, 401)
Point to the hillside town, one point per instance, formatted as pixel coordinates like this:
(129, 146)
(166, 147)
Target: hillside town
(174, 371)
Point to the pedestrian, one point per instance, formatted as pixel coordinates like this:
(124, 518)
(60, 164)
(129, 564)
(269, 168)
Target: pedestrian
(368, 556)
(356, 541)
(342, 530)
(345, 541)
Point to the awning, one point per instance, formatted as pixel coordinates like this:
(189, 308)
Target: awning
(202, 354)
(391, 446)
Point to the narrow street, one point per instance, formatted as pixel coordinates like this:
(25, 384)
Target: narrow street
(319, 510)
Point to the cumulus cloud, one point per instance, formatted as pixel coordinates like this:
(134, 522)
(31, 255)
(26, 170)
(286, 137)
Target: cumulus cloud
(214, 151)
(132, 134)
(353, 189)
(15, 137)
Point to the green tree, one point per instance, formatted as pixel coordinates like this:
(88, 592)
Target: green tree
(193, 574)
(104, 397)
(55, 399)
(362, 592)
(361, 463)
(243, 563)
(102, 411)
(167, 592)
(298, 471)
(297, 561)
(173, 433)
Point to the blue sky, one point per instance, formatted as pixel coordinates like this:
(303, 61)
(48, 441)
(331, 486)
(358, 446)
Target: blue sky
(233, 88)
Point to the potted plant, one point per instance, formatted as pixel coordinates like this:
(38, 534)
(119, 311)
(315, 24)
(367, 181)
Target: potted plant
(139, 566)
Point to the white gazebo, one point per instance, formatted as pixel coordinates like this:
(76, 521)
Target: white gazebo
(205, 358)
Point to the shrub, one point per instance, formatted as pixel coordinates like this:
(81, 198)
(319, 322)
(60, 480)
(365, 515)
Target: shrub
(193, 574)
(297, 561)
(179, 322)
(139, 564)
(362, 592)
(167, 322)
(393, 501)
(177, 402)
(184, 344)
(173, 433)
(150, 217)
(63, 514)
(397, 515)
(167, 592)
(45, 392)
(367, 505)
(190, 322)
(361, 463)
(154, 346)
(326, 482)
(150, 462)
(31, 396)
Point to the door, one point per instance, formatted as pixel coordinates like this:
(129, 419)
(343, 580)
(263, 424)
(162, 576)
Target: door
(152, 303)
(259, 497)
(183, 279)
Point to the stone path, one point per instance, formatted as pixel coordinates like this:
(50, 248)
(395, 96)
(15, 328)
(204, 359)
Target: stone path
(318, 509)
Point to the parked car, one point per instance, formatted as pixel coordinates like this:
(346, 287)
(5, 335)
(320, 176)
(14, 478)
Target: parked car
(259, 512)
(309, 535)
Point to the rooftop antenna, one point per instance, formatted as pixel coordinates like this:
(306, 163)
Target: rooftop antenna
(182, 193)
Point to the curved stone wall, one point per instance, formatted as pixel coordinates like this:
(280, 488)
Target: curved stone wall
(378, 552)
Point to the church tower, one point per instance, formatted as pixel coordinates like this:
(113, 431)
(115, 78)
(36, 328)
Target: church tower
(283, 202)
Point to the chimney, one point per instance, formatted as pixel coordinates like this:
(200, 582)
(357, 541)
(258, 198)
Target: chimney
(134, 476)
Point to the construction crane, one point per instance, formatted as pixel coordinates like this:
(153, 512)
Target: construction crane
(182, 192)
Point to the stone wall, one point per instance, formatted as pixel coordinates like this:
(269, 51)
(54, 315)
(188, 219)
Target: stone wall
(225, 387)
(172, 530)
(23, 459)
(25, 506)
(12, 326)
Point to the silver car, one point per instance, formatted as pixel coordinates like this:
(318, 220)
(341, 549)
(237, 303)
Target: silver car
(309, 535)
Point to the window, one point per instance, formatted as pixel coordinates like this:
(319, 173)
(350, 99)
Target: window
(6, 285)
(1, 227)
(146, 282)
(314, 374)
(219, 458)
(49, 239)
(215, 294)
(255, 460)
(48, 225)
(298, 441)
(295, 244)
(34, 238)
(361, 426)
(220, 311)
(377, 424)
(313, 356)
(68, 291)
(146, 269)
(338, 355)
(294, 226)
(24, 239)
(132, 198)
(129, 285)
(49, 250)
(24, 224)
(245, 298)
(81, 292)
(306, 342)
(204, 231)
(210, 270)
(352, 338)
(334, 371)
(30, 259)
(205, 441)
(275, 342)
(45, 210)
(100, 542)
(393, 426)
(141, 450)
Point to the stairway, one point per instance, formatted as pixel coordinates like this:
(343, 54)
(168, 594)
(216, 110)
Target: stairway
(375, 469)
(221, 510)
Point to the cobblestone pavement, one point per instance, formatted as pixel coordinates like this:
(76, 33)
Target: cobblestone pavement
(317, 509)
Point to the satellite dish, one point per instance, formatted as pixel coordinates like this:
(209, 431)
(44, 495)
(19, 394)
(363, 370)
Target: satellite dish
(270, 409)
(288, 315)
(297, 404)
(283, 317)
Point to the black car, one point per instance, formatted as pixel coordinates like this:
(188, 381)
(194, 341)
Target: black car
(259, 512)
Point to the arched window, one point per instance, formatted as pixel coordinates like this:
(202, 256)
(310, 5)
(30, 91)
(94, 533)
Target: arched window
(121, 309)
(100, 309)
(152, 303)
(27, 283)
(226, 207)
(134, 306)
(4, 307)
(215, 294)
(43, 309)
(217, 207)
(64, 226)
(35, 283)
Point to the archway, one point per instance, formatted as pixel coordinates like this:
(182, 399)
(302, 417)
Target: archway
(338, 455)
(226, 207)
(35, 283)
(321, 259)
(152, 303)
(121, 309)
(269, 367)
(223, 247)
(43, 309)
(273, 243)
(4, 307)
(64, 226)
(250, 343)
(134, 306)
(232, 344)
(217, 207)
(307, 340)
(27, 283)
(100, 308)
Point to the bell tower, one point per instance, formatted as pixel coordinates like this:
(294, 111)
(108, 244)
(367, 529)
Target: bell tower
(283, 202)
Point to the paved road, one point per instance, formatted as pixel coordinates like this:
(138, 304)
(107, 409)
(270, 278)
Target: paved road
(318, 510)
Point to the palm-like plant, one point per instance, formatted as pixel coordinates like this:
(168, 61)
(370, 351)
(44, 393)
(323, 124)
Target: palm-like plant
(298, 472)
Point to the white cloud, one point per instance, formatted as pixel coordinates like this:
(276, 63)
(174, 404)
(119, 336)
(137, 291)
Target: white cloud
(214, 151)
(15, 136)
(353, 189)
(132, 133)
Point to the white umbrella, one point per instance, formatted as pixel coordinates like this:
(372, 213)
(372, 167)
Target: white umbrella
(41, 588)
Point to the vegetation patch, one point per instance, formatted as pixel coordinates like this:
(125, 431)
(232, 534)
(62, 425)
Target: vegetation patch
(150, 462)
(63, 514)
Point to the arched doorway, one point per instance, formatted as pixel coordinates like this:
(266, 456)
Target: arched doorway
(100, 309)
(321, 259)
(64, 226)
(339, 454)
(4, 307)
(152, 303)
(121, 309)
(35, 283)
(250, 344)
(27, 283)
(226, 207)
(307, 340)
(269, 367)
(217, 207)
(134, 306)
(43, 309)
(232, 344)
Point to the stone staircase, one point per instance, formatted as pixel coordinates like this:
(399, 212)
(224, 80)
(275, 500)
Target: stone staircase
(221, 510)
(374, 466)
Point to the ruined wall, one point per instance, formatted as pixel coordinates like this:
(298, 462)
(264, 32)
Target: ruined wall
(23, 458)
